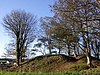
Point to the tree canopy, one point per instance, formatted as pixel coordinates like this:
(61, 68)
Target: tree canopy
(21, 26)
(77, 24)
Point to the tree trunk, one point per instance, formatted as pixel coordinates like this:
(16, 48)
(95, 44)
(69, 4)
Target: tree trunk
(49, 44)
(21, 56)
(59, 50)
(88, 56)
(18, 57)
(69, 50)
(18, 50)
(75, 55)
(97, 49)
(88, 60)
(78, 51)
(50, 51)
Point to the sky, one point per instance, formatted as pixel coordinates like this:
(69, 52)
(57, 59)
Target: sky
(40, 8)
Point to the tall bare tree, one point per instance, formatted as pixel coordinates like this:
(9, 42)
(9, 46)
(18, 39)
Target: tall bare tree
(21, 26)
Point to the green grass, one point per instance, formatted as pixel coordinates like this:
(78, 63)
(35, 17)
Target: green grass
(90, 72)
(83, 72)
(31, 73)
(79, 67)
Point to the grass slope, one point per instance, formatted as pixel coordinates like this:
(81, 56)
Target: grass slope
(58, 63)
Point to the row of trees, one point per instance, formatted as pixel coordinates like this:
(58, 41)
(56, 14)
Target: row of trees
(74, 28)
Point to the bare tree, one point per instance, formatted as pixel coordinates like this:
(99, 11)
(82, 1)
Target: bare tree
(21, 26)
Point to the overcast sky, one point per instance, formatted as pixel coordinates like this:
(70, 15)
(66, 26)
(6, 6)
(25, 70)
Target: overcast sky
(40, 8)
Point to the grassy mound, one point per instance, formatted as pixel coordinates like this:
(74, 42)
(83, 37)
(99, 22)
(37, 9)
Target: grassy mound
(56, 63)
(47, 63)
